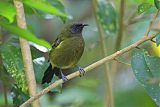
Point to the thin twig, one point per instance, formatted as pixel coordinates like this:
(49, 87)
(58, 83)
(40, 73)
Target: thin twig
(109, 94)
(153, 41)
(121, 26)
(137, 19)
(122, 62)
(151, 23)
(89, 68)
(26, 53)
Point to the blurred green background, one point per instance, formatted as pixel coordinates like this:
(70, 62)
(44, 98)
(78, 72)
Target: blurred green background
(91, 89)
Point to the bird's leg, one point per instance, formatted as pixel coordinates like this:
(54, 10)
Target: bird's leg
(63, 76)
(81, 71)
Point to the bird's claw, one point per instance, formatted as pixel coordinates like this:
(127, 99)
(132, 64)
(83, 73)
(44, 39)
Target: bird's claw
(64, 78)
(81, 71)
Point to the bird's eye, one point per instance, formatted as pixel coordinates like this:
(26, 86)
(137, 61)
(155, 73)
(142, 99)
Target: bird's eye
(79, 24)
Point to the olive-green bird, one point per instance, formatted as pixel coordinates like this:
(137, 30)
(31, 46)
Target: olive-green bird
(66, 52)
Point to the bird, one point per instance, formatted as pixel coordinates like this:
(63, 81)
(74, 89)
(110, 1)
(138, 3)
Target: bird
(66, 51)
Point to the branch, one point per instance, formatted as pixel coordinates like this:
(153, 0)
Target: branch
(89, 68)
(26, 53)
(151, 23)
(122, 62)
(121, 26)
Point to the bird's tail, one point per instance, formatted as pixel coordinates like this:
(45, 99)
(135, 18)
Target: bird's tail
(49, 73)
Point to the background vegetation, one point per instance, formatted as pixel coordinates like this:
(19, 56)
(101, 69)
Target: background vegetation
(130, 80)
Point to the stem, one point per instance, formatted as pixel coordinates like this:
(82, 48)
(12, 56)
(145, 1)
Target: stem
(1, 70)
(153, 41)
(5, 94)
(121, 26)
(122, 62)
(26, 53)
(109, 95)
(151, 23)
(89, 68)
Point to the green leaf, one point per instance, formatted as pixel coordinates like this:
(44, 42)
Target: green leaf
(40, 66)
(45, 6)
(29, 11)
(8, 11)
(144, 7)
(12, 60)
(158, 39)
(157, 3)
(13, 45)
(18, 96)
(144, 68)
(59, 5)
(57, 89)
(107, 16)
(25, 34)
(153, 64)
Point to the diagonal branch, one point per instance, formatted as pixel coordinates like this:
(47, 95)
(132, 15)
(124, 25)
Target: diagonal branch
(89, 68)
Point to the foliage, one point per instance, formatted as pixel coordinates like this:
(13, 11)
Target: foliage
(11, 54)
(8, 11)
(14, 65)
(144, 7)
(107, 16)
(89, 90)
(157, 4)
(25, 34)
(18, 96)
(45, 6)
(147, 68)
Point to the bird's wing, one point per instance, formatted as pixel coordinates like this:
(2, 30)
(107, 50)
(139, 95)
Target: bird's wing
(61, 37)
(56, 43)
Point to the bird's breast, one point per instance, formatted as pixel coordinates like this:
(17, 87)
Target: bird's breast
(67, 53)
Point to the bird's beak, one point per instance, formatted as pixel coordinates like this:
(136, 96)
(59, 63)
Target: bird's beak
(85, 24)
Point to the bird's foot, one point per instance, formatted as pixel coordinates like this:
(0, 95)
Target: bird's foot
(81, 71)
(64, 78)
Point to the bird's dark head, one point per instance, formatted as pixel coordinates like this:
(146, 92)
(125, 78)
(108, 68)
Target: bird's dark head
(77, 28)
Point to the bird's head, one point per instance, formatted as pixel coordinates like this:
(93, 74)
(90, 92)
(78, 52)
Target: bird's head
(77, 28)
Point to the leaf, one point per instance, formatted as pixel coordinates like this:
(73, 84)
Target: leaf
(25, 34)
(57, 89)
(153, 64)
(18, 96)
(8, 11)
(45, 6)
(144, 7)
(144, 68)
(158, 39)
(40, 66)
(59, 5)
(12, 60)
(107, 16)
(157, 4)
(29, 11)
